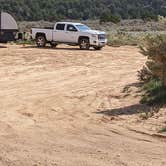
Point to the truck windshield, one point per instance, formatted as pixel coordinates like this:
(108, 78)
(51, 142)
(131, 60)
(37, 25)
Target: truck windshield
(83, 27)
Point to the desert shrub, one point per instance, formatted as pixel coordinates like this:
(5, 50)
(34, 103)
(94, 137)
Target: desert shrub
(154, 93)
(162, 19)
(146, 115)
(163, 130)
(144, 75)
(148, 16)
(29, 42)
(155, 87)
(155, 50)
(109, 17)
(122, 39)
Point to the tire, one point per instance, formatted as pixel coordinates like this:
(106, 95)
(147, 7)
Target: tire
(97, 48)
(84, 44)
(41, 41)
(53, 45)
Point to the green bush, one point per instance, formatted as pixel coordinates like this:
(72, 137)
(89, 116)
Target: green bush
(144, 75)
(51, 10)
(154, 86)
(122, 39)
(109, 17)
(154, 93)
(163, 130)
(155, 50)
(149, 15)
(29, 42)
(162, 19)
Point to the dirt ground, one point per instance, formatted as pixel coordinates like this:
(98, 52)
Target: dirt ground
(66, 107)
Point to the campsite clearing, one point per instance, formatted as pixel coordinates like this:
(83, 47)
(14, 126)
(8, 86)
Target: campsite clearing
(66, 107)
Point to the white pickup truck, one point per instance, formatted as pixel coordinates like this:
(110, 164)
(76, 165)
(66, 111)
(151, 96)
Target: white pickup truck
(70, 33)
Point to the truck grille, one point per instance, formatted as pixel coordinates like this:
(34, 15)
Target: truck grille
(102, 37)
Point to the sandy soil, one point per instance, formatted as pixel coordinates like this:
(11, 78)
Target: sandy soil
(66, 107)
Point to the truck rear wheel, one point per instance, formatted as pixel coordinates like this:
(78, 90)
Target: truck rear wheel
(41, 41)
(84, 44)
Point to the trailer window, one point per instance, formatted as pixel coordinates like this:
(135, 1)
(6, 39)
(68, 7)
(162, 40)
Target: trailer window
(60, 27)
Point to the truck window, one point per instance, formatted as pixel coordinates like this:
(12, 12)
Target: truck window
(71, 28)
(60, 27)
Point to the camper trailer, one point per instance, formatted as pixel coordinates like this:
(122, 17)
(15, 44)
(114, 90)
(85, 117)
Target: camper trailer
(8, 27)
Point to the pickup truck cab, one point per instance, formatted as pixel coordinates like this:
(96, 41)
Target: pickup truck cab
(70, 33)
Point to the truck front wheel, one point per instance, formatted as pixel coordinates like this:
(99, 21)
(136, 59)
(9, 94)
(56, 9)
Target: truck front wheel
(41, 41)
(84, 44)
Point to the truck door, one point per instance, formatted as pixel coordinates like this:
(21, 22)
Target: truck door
(71, 33)
(59, 32)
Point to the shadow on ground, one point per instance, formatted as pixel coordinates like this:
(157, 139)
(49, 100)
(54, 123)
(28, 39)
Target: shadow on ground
(137, 85)
(3, 47)
(129, 110)
(56, 48)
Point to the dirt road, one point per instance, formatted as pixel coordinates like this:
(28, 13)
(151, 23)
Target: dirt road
(66, 107)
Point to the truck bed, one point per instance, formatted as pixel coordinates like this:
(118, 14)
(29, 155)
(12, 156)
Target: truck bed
(48, 32)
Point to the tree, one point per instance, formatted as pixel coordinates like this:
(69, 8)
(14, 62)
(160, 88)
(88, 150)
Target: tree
(109, 17)
(155, 50)
(83, 9)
